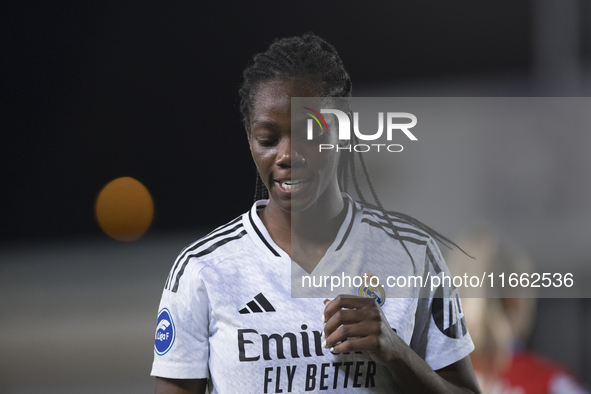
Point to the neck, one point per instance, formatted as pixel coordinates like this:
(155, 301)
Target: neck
(312, 230)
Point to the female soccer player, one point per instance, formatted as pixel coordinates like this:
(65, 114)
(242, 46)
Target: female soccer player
(227, 319)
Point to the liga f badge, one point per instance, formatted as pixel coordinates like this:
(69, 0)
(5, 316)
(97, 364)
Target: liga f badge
(375, 292)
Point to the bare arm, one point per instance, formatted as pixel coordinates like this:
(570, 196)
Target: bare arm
(180, 386)
(415, 375)
(358, 324)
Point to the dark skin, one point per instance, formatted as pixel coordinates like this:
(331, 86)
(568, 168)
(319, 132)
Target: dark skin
(310, 214)
(358, 324)
(180, 386)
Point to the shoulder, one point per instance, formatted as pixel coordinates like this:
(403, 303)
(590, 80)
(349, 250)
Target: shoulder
(395, 225)
(218, 245)
(406, 234)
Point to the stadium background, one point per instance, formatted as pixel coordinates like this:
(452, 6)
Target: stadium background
(93, 91)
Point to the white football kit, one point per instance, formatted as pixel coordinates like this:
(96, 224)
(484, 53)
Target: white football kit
(227, 311)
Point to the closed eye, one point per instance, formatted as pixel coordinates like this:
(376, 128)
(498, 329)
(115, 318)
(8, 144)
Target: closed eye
(266, 142)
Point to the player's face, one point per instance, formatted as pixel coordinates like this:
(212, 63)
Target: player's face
(296, 174)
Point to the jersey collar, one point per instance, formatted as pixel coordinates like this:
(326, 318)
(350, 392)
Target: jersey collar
(258, 231)
(261, 237)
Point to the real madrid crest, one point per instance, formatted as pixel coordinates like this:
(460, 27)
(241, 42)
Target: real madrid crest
(369, 291)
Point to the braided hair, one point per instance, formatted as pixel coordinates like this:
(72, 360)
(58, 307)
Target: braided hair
(309, 57)
(312, 58)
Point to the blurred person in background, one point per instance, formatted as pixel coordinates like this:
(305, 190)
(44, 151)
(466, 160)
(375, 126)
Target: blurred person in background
(501, 322)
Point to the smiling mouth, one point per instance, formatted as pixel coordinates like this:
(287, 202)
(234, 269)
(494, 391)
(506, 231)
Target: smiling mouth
(293, 184)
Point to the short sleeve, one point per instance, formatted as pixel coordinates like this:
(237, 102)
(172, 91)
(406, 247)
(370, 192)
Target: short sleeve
(440, 334)
(181, 347)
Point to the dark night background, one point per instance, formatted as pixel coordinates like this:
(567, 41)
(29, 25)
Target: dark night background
(96, 90)
(93, 91)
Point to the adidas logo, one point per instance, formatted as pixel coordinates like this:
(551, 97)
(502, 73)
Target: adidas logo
(256, 308)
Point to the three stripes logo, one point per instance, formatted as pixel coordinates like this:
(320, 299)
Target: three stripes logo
(255, 305)
(206, 245)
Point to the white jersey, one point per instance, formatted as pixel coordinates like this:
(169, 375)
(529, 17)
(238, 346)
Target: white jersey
(227, 311)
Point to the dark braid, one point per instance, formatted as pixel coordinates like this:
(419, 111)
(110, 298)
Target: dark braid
(260, 190)
(351, 161)
(377, 200)
(346, 162)
(309, 57)
(312, 58)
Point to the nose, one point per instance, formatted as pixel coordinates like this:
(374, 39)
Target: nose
(286, 157)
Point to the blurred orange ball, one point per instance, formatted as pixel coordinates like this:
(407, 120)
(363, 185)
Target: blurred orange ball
(124, 209)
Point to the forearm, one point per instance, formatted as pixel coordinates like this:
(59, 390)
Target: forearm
(414, 375)
(358, 324)
(180, 386)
